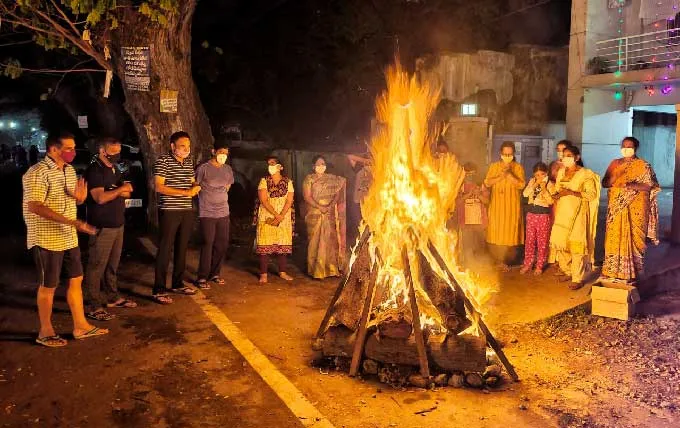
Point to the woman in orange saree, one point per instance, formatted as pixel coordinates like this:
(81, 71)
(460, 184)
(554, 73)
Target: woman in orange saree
(632, 213)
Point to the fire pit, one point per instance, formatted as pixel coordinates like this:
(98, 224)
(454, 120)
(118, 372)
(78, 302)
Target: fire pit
(403, 301)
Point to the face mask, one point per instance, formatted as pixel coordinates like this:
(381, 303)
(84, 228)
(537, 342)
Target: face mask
(114, 159)
(182, 154)
(568, 162)
(627, 152)
(507, 158)
(68, 156)
(320, 169)
(221, 159)
(273, 169)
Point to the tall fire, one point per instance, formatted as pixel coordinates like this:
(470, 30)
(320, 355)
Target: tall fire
(404, 302)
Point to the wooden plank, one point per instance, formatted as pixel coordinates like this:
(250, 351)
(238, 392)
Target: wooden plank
(365, 313)
(417, 328)
(477, 317)
(345, 279)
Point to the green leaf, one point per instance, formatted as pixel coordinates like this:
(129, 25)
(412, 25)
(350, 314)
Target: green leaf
(12, 69)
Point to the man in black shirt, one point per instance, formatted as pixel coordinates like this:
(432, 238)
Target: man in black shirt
(105, 211)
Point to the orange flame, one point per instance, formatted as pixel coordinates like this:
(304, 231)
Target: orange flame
(413, 194)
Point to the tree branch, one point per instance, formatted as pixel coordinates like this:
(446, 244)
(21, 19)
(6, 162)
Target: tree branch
(63, 15)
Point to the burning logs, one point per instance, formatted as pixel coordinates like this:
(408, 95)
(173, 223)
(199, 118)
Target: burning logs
(456, 353)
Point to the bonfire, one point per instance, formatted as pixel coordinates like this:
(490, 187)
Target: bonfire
(404, 300)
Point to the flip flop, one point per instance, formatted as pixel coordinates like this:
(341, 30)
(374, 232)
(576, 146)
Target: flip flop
(187, 291)
(162, 299)
(122, 303)
(100, 315)
(217, 280)
(55, 341)
(202, 284)
(96, 331)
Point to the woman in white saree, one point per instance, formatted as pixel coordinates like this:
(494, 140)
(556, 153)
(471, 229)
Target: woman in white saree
(572, 239)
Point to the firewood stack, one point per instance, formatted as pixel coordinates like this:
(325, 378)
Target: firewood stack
(357, 326)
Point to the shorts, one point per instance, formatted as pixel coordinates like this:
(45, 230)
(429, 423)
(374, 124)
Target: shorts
(49, 265)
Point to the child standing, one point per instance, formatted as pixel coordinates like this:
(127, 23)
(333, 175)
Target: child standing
(472, 217)
(538, 219)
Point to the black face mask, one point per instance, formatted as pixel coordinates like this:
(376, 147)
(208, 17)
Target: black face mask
(114, 159)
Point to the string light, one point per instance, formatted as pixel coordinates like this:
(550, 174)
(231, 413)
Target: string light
(666, 89)
(618, 95)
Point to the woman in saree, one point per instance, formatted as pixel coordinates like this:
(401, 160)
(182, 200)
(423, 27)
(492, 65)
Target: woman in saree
(632, 213)
(325, 219)
(275, 219)
(572, 238)
(505, 232)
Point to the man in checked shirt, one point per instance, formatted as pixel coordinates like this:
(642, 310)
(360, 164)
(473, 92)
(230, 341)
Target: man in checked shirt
(51, 192)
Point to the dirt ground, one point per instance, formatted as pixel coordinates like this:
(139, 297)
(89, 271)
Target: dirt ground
(170, 366)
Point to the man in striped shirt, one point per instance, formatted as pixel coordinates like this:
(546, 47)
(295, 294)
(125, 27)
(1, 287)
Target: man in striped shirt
(174, 181)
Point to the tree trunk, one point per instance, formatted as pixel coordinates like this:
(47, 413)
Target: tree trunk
(170, 52)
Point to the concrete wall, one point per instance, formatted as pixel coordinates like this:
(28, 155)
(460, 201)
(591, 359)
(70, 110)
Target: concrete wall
(604, 126)
(539, 90)
(656, 133)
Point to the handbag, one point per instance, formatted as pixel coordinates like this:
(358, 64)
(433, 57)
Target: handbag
(473, 212)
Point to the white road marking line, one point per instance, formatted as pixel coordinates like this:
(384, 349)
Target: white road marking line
(296, 402)
(305, 411)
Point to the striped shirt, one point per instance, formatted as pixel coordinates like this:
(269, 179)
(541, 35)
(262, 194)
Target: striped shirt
(44, 182)
(178, 175)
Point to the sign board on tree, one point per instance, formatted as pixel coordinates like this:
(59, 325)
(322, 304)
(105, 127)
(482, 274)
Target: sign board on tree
(136, 64)
(82, 122)
(168, 101)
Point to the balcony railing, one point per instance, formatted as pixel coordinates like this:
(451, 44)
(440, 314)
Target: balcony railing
(639, 52)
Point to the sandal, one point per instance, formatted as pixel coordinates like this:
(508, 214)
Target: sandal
(285, 276)
(202, 284)
(217, 280)
(524, 270)
(96, 331)
(100, 315)
(187, 291)
(504, 268)
(122, 303)
(576, 285)
(263, 278)
(538, 272)
(162, 299)
(55, 341)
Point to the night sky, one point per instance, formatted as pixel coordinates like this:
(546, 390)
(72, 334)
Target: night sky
(305, 72)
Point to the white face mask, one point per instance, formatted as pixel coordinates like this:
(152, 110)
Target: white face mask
(568, 161)
(182, 154)
(273, 169)
(507, 158)
(221, 158)
(627, 152)
(320, 169)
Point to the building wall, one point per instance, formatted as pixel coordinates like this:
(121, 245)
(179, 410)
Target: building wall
(604, 126)
(656, 132)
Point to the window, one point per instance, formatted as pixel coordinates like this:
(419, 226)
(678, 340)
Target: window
(468, 110)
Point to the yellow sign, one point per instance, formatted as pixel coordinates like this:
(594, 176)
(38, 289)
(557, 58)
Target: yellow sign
(168, 101)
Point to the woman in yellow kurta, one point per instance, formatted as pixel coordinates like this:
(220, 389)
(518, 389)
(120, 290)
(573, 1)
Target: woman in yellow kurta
(632, 213)
(506, 225)
(275, 219)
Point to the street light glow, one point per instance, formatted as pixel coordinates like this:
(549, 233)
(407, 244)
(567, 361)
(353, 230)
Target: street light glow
(12, 125)
(2, 125)
(33, 129)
